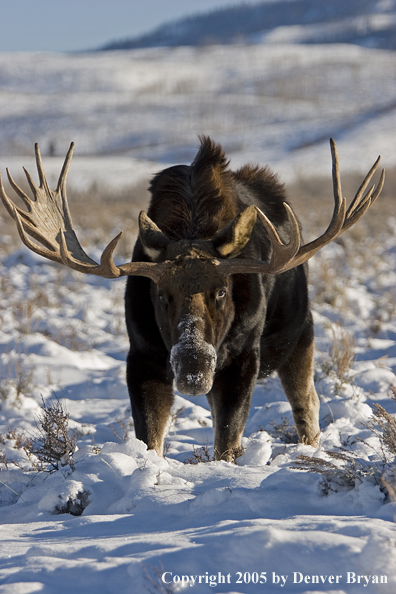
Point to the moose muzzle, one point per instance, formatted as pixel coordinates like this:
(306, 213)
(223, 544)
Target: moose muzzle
(193, 359)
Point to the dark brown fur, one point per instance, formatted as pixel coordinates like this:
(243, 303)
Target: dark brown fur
(194, 202)
(245, 326)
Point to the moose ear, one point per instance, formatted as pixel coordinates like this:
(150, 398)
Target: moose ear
(230, 241)
(152, 238)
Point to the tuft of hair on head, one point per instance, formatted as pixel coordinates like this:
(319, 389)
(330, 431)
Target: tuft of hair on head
(210, 154)
(209, 170)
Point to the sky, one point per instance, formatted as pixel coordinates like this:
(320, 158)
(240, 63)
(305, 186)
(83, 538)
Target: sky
(73, 25)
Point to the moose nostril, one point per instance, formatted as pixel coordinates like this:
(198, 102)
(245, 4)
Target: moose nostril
(194, 384)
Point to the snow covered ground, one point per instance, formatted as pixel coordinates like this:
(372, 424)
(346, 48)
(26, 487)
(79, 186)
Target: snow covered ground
(117, 518)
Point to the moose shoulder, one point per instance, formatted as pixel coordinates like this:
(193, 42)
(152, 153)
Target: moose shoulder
(217, 290)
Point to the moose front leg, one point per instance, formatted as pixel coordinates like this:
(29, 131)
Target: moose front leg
(151, 397)
(229, 401)
(296, 376)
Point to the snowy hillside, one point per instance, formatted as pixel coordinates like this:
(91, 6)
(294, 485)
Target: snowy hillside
(267, 104)
(370, 23)
(110, 516)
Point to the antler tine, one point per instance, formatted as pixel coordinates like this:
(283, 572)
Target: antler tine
(5, 199)
(380, 185)
(337, 219)
(20, 193)
(359, 210)
(357, 199)
(61, 186)
(40, 169)
(31, 183)
(282, 253)
(337, 192)
(106, 268)
(361, 207)
(65, 169)
(106, 259)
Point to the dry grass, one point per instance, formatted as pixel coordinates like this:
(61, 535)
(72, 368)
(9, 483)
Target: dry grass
(20, 377)
(153, 576)
(383, 425)
(339, 359)
(200, 455)
(347, 470)
(175, 416)
(384, 311)
(122, 427)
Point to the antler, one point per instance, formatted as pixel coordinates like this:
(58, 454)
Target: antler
(287, 256)
(48, 221)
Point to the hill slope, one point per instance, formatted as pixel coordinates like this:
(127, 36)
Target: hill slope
(370, 23)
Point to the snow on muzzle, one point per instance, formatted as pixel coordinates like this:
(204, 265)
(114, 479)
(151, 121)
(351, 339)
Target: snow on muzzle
(193, 360)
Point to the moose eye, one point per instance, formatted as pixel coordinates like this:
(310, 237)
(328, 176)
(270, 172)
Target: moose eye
(221, 293)
(163, 299)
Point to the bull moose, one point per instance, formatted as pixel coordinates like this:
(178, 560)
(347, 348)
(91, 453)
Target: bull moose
(217, 290)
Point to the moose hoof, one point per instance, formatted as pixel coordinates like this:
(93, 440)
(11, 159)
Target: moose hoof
(314, 441)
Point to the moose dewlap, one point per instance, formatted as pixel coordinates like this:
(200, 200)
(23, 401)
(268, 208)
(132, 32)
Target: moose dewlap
(217, 288)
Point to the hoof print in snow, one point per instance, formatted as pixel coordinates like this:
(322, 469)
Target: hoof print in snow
(73, 505)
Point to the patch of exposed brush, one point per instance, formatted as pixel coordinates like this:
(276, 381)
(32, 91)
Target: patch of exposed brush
(347, 469)
(53, 447)
(286, 431)
(383, 425)
(200, 455)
